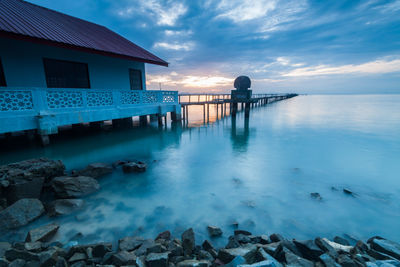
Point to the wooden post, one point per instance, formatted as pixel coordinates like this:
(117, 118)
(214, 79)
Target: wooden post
(234, 108)
(247, 110)
(208, 112)
(204, 113)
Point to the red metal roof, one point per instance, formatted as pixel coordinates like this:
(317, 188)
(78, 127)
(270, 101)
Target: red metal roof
(23, 20)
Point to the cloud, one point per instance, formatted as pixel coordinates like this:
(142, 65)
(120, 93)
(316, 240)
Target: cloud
(379, 66)
(190, 81)
(166, 13)
(175, 46)
(244, 10)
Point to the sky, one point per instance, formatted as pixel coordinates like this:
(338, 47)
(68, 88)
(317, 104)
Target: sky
(282, 45)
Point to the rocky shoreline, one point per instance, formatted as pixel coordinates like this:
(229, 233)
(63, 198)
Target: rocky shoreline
(31, 188)
(243, 249)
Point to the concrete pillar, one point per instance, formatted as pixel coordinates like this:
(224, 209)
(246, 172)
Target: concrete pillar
(143, 120)
(96, 125)
(234, 108)
(44, 139)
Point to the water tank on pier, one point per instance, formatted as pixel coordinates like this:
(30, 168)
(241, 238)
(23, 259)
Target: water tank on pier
(242, 92)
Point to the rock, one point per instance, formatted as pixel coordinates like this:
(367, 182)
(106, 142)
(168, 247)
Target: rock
(166, 235)
(33, 246)
(341, 241)
(21, 213)
(17, 263)
(64, 206)
(276, 237)
(345, 261)
(156, 248)
(284, 246)
(194, 263)
(241, 232)
(309, 249)
(348, 192)
(188, 242)
(386, 246)
(248, 252)
(262, 239)
(384, 263)
(48, 258)
(235, 262)
(379, 255)
(266, 263)
(157, 260)
(43, 233)
(175, 249)
(328, 261)
(13, 254)
(142, 250)
(130, 243)
(205, 255)
(96, 170)
(264, 256)
(119, 163)
(294, 260)
(77, 256)
(232, 243)
(214, 231)
(4, 262)
(134, 167)
(316, 196)
(4, 246)
(99, 250)
(74, 187)
(41, 167)
(322, 244)
(26, 187)
(124, 258)
(337, 246)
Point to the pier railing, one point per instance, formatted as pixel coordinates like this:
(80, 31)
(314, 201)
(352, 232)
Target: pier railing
(34, 108)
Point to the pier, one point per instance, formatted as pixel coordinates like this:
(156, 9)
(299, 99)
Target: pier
(225, 102)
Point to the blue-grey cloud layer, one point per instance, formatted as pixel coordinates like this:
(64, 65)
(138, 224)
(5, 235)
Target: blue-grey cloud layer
(299, 45)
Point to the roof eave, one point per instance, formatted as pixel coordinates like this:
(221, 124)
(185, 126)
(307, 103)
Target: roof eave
(79, 48)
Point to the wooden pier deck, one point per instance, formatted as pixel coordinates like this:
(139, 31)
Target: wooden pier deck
(222, 101)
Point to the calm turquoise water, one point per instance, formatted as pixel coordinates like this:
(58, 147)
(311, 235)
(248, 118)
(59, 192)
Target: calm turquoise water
(259, 173)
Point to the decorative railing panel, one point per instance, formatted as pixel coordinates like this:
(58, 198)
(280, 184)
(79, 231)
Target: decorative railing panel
(41, 99)
(64, 99)
(169, 97)
(130, 97)
(99, 99)
(150, 97)
(15, 100)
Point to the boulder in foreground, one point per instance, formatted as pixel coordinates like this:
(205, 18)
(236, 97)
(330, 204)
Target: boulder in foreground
(21, 213)
(43, 233)
(74, 187)
(64, 206)
(96, 170)
(137, 166)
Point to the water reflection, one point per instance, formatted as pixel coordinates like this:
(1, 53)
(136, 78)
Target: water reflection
(240, 136)
(259, 175)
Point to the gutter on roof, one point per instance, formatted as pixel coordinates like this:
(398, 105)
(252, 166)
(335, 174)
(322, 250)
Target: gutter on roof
(78, 48)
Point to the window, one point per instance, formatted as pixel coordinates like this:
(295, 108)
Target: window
(2, 78)
(135, 77)
(66, 74)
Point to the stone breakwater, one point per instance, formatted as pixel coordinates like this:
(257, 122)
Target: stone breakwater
(243, 249)
(31, 188)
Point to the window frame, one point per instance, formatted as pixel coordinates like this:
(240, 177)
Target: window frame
(131, 70)
(86, 65)
(3, 81)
